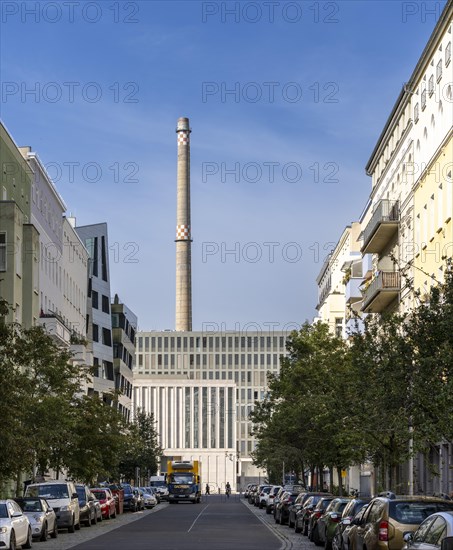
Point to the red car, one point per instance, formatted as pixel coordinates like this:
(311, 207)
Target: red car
(107, 501)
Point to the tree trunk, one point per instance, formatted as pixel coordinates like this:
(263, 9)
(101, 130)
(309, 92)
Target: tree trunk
(340, 481)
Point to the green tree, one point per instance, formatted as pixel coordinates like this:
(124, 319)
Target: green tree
(142, 447)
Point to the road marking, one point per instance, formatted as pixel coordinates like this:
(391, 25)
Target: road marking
(195, 520)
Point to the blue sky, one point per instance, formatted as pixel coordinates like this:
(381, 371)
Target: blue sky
(310, 85)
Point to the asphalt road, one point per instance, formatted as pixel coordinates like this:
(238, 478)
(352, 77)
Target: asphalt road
(215, 524)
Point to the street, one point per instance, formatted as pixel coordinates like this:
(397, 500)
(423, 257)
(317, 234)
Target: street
(217, 523)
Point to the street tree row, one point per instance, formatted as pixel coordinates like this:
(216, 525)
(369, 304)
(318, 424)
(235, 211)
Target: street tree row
(383, 395)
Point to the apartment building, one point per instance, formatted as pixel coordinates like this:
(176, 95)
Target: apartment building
(409, 229)
(95, 239)
(338, 281)
(124, 328)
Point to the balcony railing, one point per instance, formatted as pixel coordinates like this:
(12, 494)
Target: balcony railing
(382, 290)
(382, 226)
(352, 290)
(54, 325)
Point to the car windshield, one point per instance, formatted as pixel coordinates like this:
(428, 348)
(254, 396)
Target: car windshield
(158, 483)
(415, 512)
(30, 505)
(53, 491)
(3, 511)
(99, 494)
(181, 478)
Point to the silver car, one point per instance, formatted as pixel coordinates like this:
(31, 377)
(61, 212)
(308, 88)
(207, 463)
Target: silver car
(42, 517)
(431, 532)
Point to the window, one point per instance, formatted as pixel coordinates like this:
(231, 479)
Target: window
(2, 251)
(95, 333)
(416, 112)
(103, 259)
(431, 85)
(105, 304)
(439, 70)
(447, 54)
(95, 299)
(423, 100)
(106, 337)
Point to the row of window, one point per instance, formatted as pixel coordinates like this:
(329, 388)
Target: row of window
(209, 343)
(105, 301)
(243, 377)
(208, 361)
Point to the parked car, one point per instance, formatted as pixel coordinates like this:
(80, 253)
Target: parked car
(247, 489)
(140, 499)
(63, 498)
(149, 500)
(388, 519)
(14, 526)
(431, 532)
(281, 512)
(42, 517)
(328, 522)
(349, 533)
(278, 498)
(86, 506)
(303, 515)
(306, 502)
(156, 493)
(340, 539)
(320, 508)
(107, 501)
(270, 497)
(251, 494)
(97, 508)
(259, 495)
(295, 507)
(130, 498)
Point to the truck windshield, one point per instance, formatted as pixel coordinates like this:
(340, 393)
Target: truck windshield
(181, 478)
(158, 483)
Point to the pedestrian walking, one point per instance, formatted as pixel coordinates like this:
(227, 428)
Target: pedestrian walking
(228, 489)
(207, 489)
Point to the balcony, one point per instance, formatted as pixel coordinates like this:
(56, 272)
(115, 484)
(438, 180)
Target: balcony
(53, 324)
(382, 290)
(352, 292)
(382, 226)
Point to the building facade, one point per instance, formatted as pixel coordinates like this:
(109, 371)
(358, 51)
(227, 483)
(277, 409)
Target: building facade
(124, 328)
(224, 373)
(99, 319)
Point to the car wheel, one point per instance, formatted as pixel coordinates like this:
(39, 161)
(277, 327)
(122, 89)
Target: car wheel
(95, 518)
(336, 542)
(268, 510)
(12, 541)
(305, 528)
(277, 519)
(88, 522)
(71, 528)
(290, 523)
(327, 544)
(27, 544)
(77, 526)
(297, 529)
(108, 514)
(43, 536)
(114, 514)
(54, 533)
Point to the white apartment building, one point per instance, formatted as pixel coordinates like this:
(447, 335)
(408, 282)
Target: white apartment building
(63, 259)
(342, 264)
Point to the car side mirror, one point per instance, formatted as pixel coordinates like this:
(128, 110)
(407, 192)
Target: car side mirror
(407, 537)
(75, 495)
(16, 515)
(447, 544)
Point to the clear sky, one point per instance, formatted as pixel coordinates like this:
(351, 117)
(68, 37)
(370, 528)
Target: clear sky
(286, 101)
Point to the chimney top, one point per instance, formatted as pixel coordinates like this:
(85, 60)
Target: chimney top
(183, 124)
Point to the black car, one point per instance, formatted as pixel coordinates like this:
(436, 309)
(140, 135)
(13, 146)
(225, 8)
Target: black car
(130, 498)
(304, 513)
(319, 510)
(281, 512)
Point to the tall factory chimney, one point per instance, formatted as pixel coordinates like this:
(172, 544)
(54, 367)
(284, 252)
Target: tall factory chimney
(183, 236)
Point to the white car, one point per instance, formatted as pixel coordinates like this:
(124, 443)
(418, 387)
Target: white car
(149, 500)
(42, 518)
(15, 528)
